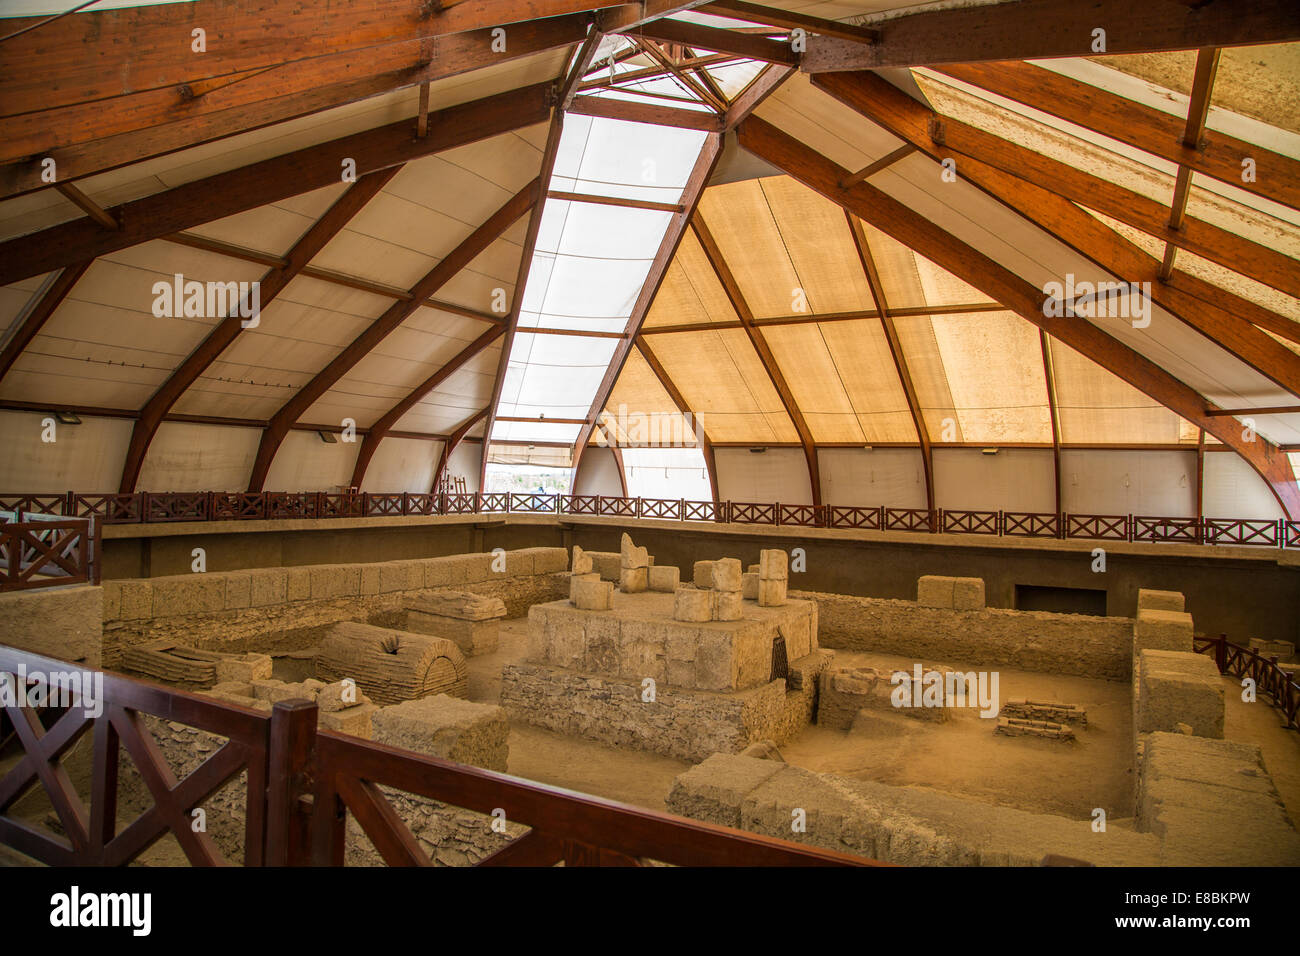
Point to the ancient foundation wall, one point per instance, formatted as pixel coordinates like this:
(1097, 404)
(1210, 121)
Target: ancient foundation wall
(57, 622)
(285, 609)
(1075, 644)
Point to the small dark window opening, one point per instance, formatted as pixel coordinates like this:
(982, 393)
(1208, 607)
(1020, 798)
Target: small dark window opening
(1033, 597)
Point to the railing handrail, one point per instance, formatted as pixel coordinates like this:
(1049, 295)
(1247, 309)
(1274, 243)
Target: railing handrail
(145, 507)
(287, 759)
(1237, 660)
(39, 550)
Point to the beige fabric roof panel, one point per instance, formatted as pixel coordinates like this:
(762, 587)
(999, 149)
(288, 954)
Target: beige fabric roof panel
(1096, 407)
(641, 412)
(428, 209)
(274, 228)
(911, 281)
(993, 363)
(722, 378)
(487, 284)
(465, 392)
(844, 381)
(103, 345)
(690, 292)
(790, 250)
(385, 375)
(298, 335)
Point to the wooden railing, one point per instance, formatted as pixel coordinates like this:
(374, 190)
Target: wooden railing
(230, 506)
(300, 784)
(44, 551)
(1270, 680)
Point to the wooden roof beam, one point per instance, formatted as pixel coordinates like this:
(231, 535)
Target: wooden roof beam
(1001, 284)
(1220, 156)
(697, 36)
(754, 13)
(1042, 29)
(268, 181)
(1258, 262)
(1198, 108)
(450, 265)
(1218, 315)
(636, 112)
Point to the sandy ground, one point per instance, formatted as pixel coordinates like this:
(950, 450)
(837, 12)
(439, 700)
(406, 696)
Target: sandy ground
(961, 756)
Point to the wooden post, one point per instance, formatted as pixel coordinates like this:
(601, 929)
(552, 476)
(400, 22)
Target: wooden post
(290, 755)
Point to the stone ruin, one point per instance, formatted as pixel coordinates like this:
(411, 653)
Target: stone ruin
(845, 691)
(190, 668)
(681, 669)
(1045, 710)
(1023, 727)
(392, 666)
(341, 706)
(470, 620)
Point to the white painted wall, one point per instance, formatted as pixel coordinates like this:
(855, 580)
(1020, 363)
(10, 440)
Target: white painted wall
(894, 477)
(85, 458)
(1235, 490)
(305, 463)
(778, 474)
(598, 474)
(1117, 482)
(1015, 479)
(402, 464)
(191, 457)
(465, 462)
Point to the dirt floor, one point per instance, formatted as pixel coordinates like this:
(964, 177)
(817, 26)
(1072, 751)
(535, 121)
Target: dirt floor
(961, 756)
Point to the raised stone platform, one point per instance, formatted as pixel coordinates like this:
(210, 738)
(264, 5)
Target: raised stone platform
(637, 638)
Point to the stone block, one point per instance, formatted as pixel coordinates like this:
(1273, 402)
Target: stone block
(749, 585)
(714, 790)
(340, 695)
(1162, 631)
(968, 594)
(633, 580)
(549, 560)
(477, 568)
(1176, 687)
(268, 586)
(438, 572)
(331, 581)
(1282, 650)
(298, 583)
(773, 565)
(245, 668)
(727, 606)
(1160, 600)
(752, 569)
(239, 590)
(178, 594)
(112, 600)
(461, 605)
(692, 604)
(449, 728)
(520, 561)
(137, 600)
(771, 592)
(369, 580)
(591, 595)
(631, 556)
(274, 691)
(582, 563)
(933, 590)
(607, 564)
(703, 574)
(665, 578)
(574, 581)
(726, 574)
(355, 721)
